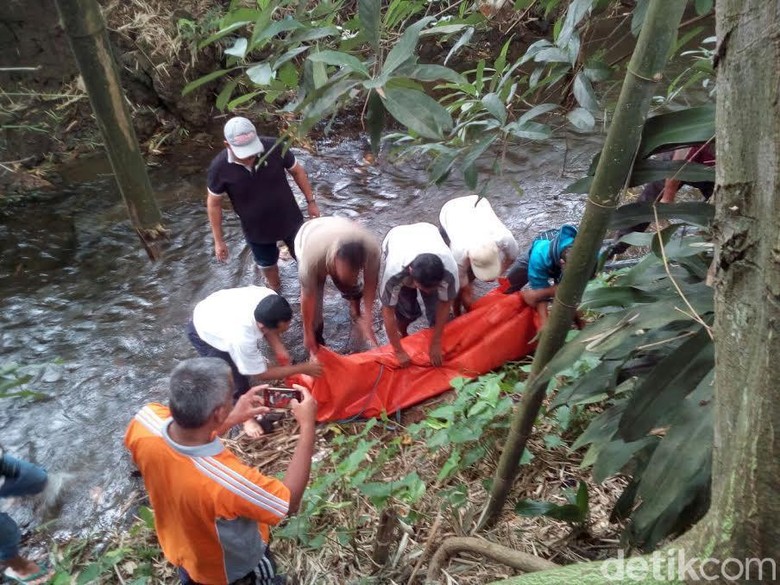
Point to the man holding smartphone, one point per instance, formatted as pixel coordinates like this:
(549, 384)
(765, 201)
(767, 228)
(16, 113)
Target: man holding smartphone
(212, 513)
(236, 325)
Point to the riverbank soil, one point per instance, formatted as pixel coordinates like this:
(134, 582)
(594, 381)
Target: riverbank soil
(45, 115)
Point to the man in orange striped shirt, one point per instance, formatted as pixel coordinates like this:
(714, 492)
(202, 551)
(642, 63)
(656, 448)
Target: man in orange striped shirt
(212, 512)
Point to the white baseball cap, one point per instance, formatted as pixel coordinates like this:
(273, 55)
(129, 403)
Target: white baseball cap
(485, 261)
(242, 137)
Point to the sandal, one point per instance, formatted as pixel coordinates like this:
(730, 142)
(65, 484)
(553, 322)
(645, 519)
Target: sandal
(43, 575)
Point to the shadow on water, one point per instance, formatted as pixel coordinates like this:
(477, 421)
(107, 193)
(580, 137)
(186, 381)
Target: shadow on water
(79, 294)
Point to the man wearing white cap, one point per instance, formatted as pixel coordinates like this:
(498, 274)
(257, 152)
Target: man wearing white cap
(251, 172)
(481, 244)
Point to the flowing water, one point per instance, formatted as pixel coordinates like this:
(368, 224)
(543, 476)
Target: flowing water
(79, 296)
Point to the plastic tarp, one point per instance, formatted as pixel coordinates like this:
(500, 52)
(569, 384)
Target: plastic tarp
(498, 329)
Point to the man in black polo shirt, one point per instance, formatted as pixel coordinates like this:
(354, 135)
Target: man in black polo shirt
(251, 172)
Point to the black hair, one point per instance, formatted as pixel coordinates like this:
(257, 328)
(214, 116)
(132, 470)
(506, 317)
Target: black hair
(273, 310)
(427, 270)
(353, 253)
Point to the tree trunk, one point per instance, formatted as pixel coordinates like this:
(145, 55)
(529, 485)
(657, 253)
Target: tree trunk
(745, 513)
(86, 30)
(644, 72)
(743, 524)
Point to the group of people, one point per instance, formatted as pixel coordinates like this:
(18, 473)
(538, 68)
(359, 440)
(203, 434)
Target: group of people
(212, 512)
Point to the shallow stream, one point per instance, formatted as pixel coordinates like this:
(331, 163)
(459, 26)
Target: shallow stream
(79, 295)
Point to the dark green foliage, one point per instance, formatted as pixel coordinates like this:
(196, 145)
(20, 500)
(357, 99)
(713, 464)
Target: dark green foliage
(651, 366)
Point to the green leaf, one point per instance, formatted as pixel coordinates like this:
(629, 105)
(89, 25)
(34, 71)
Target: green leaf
(417, 111)
(287, 56)
(676, 129)
(462, 41)
(375, 121)
(442, 166)
(679, 470)
(535, 112)
(470, 159)
(648, 171)
(341, 60)
(435, 73)
(597, 381)
(529, 130)
(224, 32)
(260, 74)
(551, 55)
(584, 94)
(567, 512)
(450, 466)
(698, 214)
(405, 46)
(617, 454)
(288, 74)
(204, 80)
(703, 6)
(275, 28)
(574, 15)
(146, 514)
(663, 389)
(312, 34)
(242, 99)
(443, 29)
(638, 16)
(493, 104)
(225, 94)
(581, 119)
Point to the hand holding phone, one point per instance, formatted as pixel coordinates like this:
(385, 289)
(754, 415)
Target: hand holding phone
(281, 397)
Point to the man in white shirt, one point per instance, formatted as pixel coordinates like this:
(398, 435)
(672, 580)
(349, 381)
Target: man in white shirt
(416, 258)
(235, 324)
(481, 244)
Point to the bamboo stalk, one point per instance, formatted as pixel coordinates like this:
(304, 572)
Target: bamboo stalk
(86, 30)
(644, 72)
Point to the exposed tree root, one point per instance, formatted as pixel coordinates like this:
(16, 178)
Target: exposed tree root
(507, 556)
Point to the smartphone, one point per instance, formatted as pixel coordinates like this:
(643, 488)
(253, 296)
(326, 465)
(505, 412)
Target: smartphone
(280, 397)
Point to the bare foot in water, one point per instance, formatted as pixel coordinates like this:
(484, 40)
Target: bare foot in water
(253, 429)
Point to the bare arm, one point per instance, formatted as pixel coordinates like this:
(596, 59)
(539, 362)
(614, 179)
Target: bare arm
(279, 372)
(276, 345)
(442, 313)
(671, 186)
(302, 180)
(297, 475)
(394, 336)
(533, 297)
(370, 279)
(214, 210)
(308, 309)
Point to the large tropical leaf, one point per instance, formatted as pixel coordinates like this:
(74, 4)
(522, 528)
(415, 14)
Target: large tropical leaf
(369, 14)
(375, 120)
(664, 388)
(340, 60)
(404, 48)
(695, 213)
(417, 111)
(675, 129)
(648, 171)
(679, 470)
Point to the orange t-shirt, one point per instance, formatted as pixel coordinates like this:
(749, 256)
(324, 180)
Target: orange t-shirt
(211, 512)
